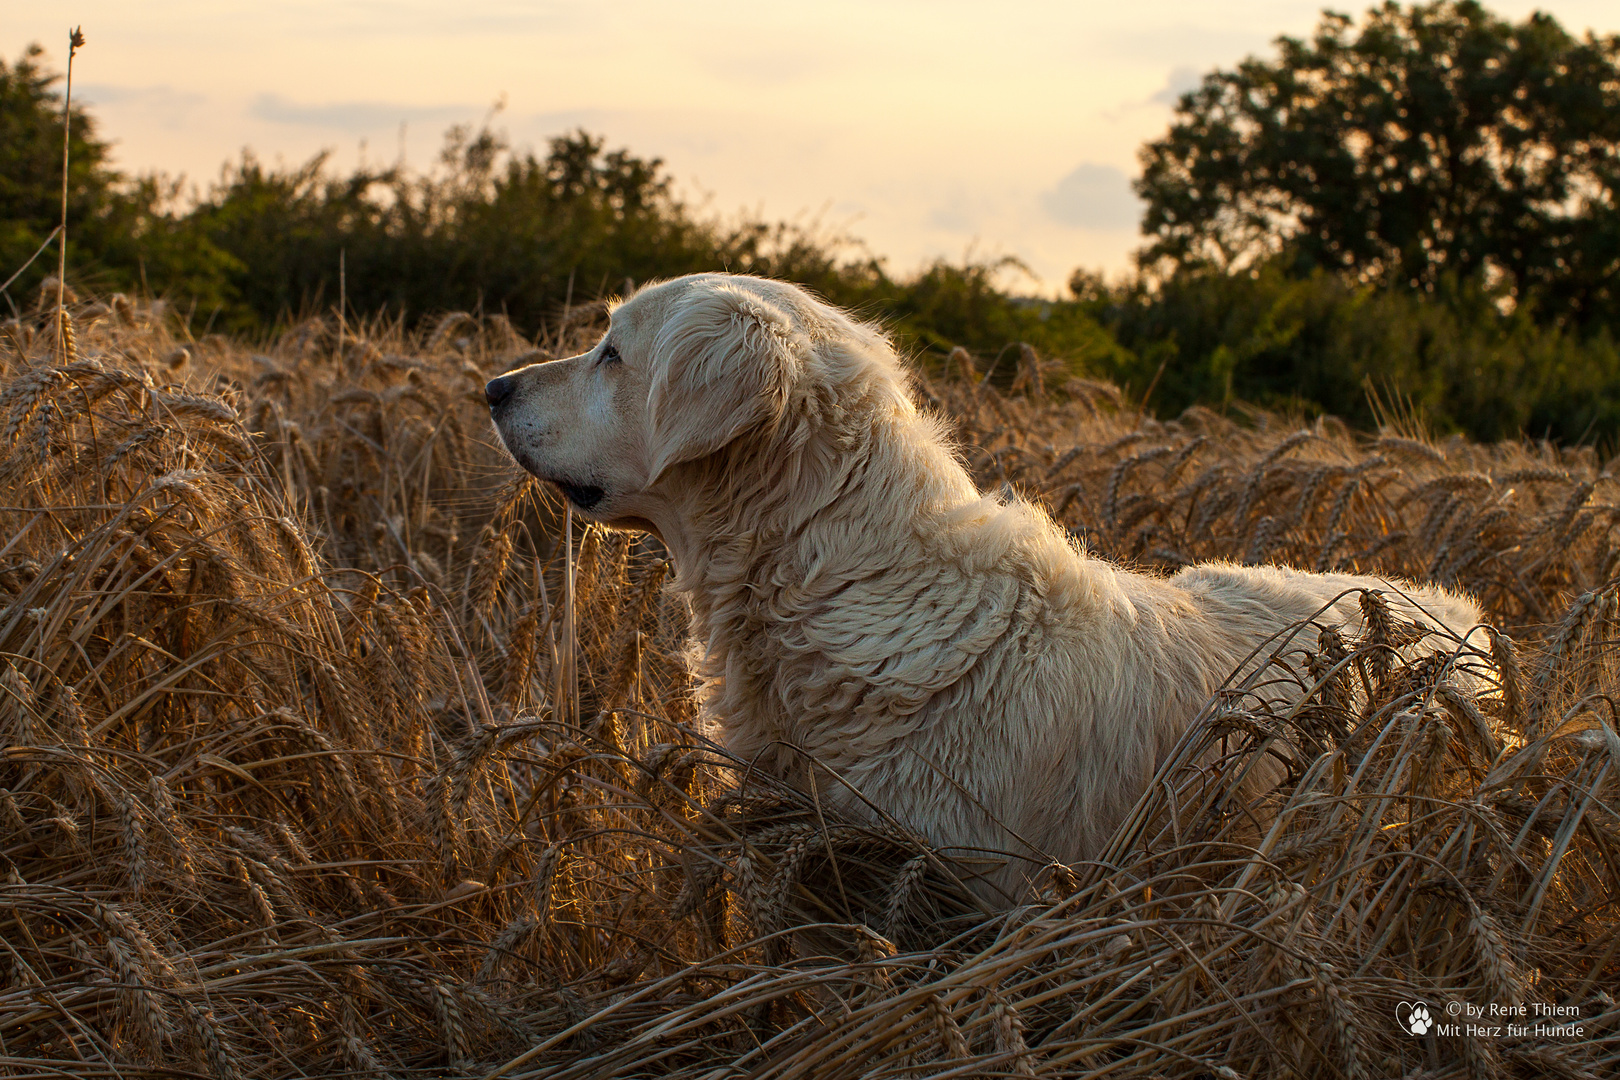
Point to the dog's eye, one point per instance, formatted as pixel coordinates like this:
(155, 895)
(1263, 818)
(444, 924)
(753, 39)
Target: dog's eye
(609, 355)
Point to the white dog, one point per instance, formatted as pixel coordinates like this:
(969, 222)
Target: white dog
(953, 658)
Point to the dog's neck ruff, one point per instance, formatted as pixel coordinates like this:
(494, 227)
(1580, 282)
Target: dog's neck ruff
(837, 592)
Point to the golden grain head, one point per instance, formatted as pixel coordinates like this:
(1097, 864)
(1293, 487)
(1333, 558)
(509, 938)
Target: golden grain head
(286, 790)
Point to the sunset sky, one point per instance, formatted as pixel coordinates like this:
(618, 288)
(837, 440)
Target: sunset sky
(925, 128)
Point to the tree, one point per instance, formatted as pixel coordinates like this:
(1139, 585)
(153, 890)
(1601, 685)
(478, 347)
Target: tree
(490, 229)
(1431, 142)
(31, 166)
(123, 232)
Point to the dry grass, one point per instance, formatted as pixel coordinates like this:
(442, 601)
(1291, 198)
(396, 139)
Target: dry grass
(315, 764)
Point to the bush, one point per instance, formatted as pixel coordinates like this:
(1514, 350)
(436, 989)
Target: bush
(1318, 343)
(526, 236)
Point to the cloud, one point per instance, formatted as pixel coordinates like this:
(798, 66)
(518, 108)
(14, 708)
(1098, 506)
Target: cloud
(1202, 42)
(411, 18)
(1097, 197)
(769, 68)
(955, 216)
(356, 116)
(166, 106)
(1182, 79)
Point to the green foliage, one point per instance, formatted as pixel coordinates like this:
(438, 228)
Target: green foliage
(1318, 343)
(488, 231)
(1432, 141)
(1427, 204)
(31, 168)
(120, 232)
(522, 235)
(947, 305)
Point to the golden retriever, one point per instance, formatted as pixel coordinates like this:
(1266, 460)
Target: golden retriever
(952, 658)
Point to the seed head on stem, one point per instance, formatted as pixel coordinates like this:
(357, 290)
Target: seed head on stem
(75, 42)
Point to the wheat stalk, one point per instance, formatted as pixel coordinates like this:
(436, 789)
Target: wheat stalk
(217, 1053)
(951, 1040)
(1492, 956)
(452, 1022)
(1009, 1026)
(132, 829)
(248, 672)
(65, 327)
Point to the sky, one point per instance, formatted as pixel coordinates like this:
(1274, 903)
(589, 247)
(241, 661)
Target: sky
(925, 128)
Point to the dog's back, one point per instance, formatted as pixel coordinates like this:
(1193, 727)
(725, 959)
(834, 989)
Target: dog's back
(1051, 733)
(1279, 595)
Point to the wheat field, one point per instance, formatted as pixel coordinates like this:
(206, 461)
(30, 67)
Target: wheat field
(332, 747)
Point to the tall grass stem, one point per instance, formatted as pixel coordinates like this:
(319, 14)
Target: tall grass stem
(75, 42)
(570, 663)
(343, 297)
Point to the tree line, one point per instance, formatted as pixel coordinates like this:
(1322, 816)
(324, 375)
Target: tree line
(1424, 203)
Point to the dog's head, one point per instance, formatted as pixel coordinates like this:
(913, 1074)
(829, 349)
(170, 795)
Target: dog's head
(686, 368)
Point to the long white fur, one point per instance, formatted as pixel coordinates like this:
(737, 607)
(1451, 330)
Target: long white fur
(954, 658)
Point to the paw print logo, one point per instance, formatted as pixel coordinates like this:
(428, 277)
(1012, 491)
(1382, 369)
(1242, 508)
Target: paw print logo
(1414, 1017)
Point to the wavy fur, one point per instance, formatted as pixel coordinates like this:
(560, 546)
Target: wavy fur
(955, 660)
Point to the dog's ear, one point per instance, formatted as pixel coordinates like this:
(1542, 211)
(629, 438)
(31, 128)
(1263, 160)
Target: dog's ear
(724, 363)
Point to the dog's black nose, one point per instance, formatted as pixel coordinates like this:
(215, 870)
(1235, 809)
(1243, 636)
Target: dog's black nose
(498, 390)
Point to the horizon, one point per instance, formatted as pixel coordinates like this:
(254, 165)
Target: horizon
(978, 134)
